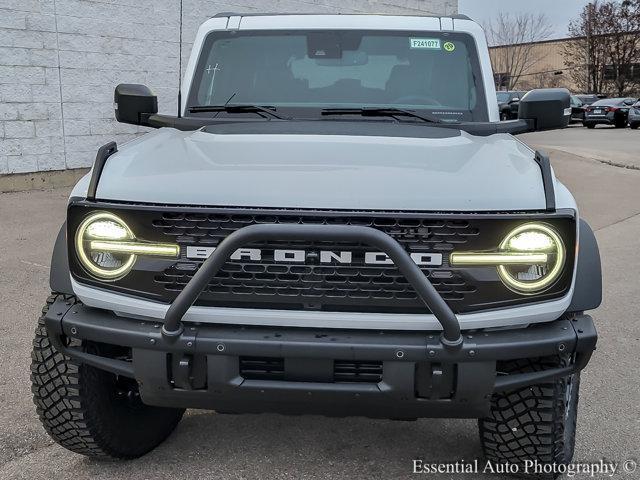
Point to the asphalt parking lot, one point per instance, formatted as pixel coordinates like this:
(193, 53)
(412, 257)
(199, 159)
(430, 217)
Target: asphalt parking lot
(207, 445)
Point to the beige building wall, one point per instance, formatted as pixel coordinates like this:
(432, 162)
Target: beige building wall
(549, 59)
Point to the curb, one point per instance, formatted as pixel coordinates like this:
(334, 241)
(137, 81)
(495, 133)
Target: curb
(19, 182)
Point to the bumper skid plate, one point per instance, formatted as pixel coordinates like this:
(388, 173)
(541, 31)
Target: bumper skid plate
(203, 368)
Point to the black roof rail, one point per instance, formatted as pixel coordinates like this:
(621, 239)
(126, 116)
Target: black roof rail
(457, 16)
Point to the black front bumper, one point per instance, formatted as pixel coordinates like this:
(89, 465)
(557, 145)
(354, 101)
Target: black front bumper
(419, 376)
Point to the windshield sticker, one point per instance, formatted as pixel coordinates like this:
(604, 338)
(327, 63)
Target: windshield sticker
(428, 43)
(449, 46)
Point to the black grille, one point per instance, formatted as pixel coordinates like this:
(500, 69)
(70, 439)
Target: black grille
(438, 234)
(314, 286)
(357, 371)
(344, 371)
(262, 368)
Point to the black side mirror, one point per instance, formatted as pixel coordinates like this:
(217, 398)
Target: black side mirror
(134, 103)
(546, 108)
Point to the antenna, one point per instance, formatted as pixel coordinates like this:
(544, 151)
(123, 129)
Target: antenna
(180, 65)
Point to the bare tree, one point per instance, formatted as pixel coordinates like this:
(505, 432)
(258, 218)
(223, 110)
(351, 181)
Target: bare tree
(605, 46)
(543, 80)
(516, 35)
(621, 23)
(585, 56)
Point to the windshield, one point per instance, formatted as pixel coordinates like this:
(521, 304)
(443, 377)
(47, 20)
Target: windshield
(301, 73)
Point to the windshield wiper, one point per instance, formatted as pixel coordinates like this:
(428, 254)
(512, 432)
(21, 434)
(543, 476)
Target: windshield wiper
(381, 112)
(266, 112)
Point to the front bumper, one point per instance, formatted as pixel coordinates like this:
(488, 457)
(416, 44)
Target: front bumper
(419, 376)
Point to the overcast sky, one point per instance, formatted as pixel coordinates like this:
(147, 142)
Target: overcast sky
(560, 12)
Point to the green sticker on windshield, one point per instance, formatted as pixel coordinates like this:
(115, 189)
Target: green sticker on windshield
(428, 43)
(449, 46)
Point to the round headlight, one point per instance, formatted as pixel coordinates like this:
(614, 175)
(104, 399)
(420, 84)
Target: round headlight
(107, 264)
(532, 277)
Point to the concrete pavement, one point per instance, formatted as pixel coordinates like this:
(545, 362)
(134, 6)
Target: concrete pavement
(610, 145)
(207, 445)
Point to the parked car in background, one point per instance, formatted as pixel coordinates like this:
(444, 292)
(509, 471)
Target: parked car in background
(634, 115)
(589, 98)
(577, 109)
(608, 111)
(509, 103)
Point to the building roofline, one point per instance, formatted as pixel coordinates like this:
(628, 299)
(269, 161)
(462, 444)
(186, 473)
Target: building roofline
(559, 40)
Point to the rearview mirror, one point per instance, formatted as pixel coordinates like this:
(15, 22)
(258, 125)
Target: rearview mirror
(134, 103)
(546, 108)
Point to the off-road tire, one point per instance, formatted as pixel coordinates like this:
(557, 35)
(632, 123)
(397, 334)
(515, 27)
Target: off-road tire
(536, 423)
(87, 410)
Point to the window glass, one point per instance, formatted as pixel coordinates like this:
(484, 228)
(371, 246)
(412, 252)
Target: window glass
(426, 70)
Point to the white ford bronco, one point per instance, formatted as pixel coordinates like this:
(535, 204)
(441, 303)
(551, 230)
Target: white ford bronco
(335, 222)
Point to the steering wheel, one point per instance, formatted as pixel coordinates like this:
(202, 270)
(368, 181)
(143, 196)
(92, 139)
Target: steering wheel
(417, 100)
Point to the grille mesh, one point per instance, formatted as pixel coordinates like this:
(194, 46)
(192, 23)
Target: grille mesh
(438, 234)
(344, 371)
(315, 285)
(261, 368)
(357, 371)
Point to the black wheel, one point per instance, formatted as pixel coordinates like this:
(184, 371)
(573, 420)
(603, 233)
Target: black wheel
(590, 125)
(536, 423)
(634, 126)
(90, 411)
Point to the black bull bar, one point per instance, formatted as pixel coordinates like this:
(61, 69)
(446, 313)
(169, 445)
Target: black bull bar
(451, 337)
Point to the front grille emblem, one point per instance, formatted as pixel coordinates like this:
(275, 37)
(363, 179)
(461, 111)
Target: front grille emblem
(313, 257)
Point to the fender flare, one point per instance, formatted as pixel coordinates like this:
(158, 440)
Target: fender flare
(587, 293)
(59, 277)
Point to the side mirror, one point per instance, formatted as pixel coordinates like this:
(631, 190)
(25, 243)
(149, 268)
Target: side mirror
(134, 103)
(546, 108)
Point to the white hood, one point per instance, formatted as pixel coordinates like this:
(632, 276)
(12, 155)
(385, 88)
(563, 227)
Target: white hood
(456, 173)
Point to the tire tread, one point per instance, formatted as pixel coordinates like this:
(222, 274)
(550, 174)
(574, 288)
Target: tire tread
(55, 384)
(529, 423)
(71, 403)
